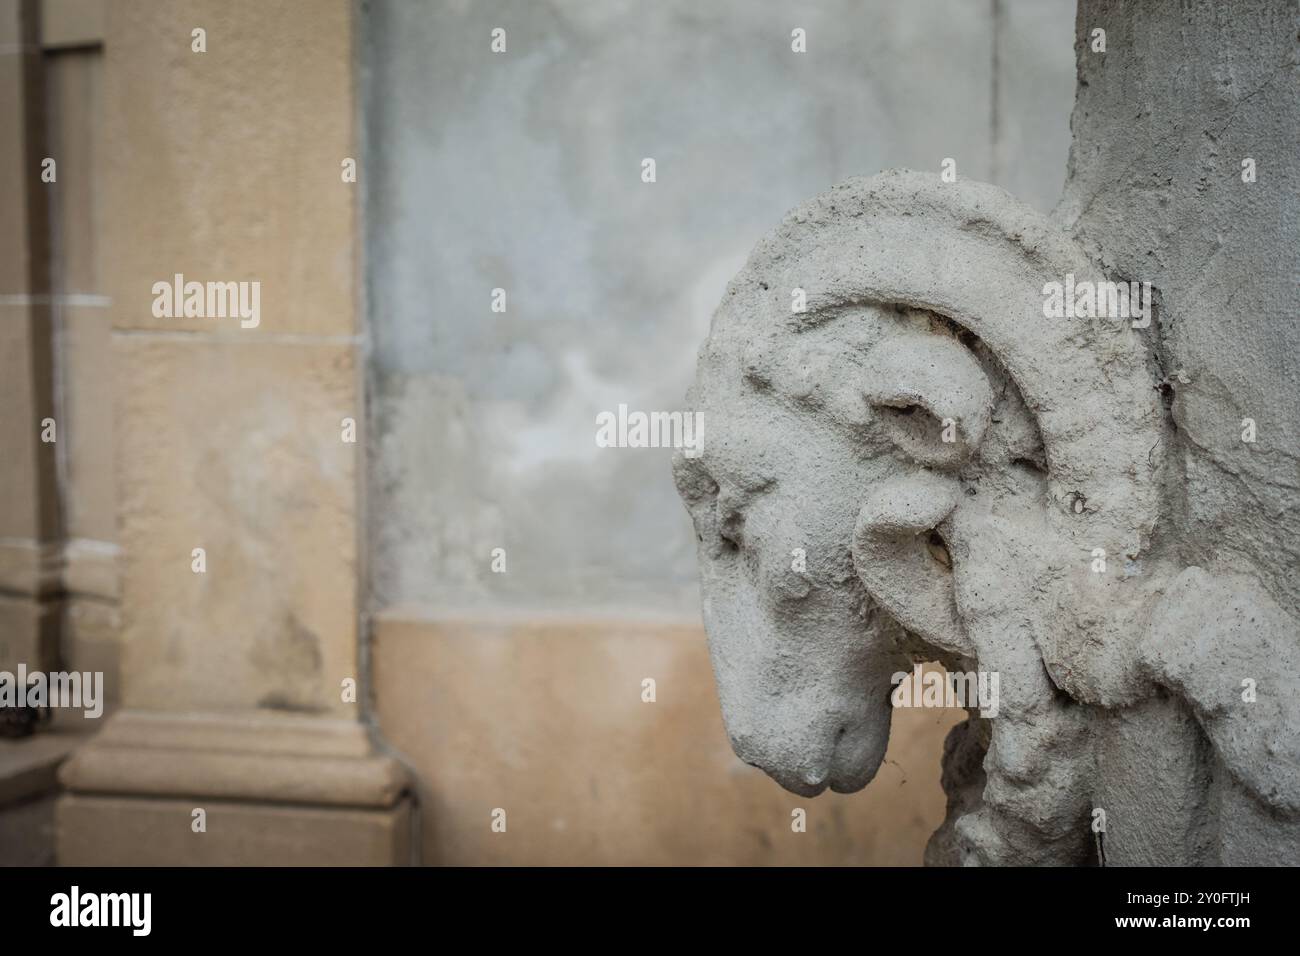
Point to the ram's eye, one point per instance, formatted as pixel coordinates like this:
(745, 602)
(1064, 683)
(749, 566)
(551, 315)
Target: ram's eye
(693, 482)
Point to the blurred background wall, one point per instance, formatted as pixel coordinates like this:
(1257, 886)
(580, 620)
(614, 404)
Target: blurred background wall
(520, 171)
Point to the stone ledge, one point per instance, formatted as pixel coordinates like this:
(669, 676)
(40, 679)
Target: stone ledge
(259, 733)
(259, 758)
(136, 831)
(29, 766)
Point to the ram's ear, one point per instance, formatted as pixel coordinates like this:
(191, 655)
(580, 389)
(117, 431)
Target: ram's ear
(900, 562)
(929, 396)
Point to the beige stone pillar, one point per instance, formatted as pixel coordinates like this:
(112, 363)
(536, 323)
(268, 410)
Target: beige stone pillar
(225, 166)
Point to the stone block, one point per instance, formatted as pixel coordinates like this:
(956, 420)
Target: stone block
(226, 165)
(237, 449)
(126, 831)
(275, 790)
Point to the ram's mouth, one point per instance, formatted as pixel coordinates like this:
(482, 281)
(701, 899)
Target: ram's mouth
(852, 765)
(808, 744)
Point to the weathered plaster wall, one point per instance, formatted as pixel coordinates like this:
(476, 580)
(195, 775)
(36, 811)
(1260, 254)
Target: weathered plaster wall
(542, 717)
(522, 171)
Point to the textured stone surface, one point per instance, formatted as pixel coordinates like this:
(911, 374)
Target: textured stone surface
(1159, 190)
(1040, 544)
(543, 717)
(237, 449)
(274, 89)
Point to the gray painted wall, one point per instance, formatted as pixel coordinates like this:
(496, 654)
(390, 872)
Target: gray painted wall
(522, 171)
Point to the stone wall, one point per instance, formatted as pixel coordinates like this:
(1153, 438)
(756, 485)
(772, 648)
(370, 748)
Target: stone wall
(522, 171)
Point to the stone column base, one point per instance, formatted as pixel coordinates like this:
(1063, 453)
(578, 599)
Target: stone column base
(274, 791)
